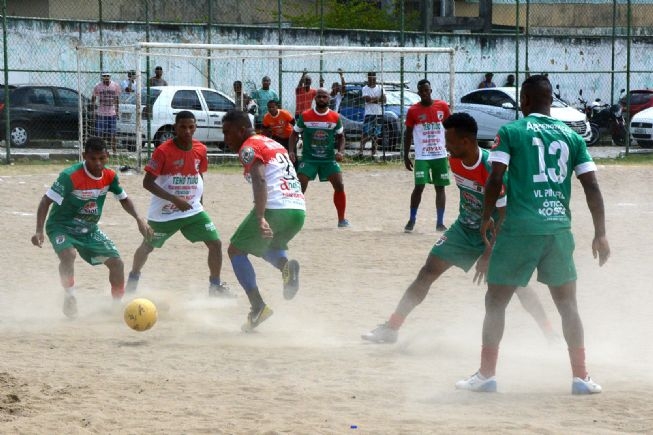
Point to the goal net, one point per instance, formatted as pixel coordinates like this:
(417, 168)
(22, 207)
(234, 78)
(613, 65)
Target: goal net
(203, 78)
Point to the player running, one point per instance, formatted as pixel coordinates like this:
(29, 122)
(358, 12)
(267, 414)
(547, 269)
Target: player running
(461, 245)
(278, 214)
(539, 153)
(78, 196)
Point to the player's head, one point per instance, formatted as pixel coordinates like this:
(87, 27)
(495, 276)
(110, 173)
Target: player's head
(460, 131)
(536, 95)
(424, 91)
(322, 98)
(185, 126)
(158, 71)
(95, 155)
(236, 127)
(265, 82)
(273, 107)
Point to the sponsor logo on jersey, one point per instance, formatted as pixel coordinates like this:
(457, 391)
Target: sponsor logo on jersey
(320, 135)
(60, 239)
(247, 155)
(89, 208)
(441, 240)
(197, 165)
(440, 115)
(153, 164)
(179, 162)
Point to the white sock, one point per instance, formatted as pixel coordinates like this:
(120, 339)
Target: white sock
(70, 291)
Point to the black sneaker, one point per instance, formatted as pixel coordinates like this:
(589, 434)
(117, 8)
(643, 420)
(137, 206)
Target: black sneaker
(221, 290)
(290, 275)
(256, 317)
(410, 226)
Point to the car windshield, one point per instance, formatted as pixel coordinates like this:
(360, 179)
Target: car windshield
(557, 102)
(130, 97)
(394, 98)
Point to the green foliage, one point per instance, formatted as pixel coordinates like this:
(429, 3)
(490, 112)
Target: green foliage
(350, 14)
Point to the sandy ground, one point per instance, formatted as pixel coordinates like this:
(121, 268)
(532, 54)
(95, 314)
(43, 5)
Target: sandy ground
(306, 370)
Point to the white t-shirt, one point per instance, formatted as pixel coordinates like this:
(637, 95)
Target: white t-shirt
(375, 92)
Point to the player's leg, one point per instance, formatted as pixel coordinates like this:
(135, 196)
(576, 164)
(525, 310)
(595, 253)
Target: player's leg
(421, 177)
(376, 133)
(306, 172)
(116, 277)
(332, 172)
(247, 239)
(285, 225)
(67, 278)
(439, 170)
(162, 232)
(532, 304)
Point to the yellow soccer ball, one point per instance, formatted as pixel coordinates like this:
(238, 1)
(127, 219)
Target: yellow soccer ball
(140, 314)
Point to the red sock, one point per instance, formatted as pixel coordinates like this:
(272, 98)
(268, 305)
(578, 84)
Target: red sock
(340, 201)
(67, 281)
(396, 321)
(489, 356)
(117, 291)
(577, 358)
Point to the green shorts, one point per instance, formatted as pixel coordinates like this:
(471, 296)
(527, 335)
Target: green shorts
(285, 225)
(94, 247)
(196, 228)
(434, 172)
(514, 258)
(323, 169)
(459, 246)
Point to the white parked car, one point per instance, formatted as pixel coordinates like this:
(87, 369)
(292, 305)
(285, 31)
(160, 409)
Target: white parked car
(208, 105)
(494, 107)
(641, 128)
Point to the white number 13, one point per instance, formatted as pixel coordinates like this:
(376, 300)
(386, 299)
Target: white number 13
(556, 175)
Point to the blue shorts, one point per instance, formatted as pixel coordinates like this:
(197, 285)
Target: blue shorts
(105, 125)
(372, 125)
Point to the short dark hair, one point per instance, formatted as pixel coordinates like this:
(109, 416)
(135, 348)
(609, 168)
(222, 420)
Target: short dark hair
(273, 101)
(489, 75)
(371, 74)
(184, 114)
(463, 122)
(94, 144)
(423, 82)
(237, 117)
(158, 68)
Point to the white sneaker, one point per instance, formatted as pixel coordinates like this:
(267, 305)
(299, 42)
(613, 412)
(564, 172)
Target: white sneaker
(479, 383)
(585, 386)
(70, 306)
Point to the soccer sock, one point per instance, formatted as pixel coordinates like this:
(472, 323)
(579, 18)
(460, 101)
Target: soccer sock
(255, 299)
(276, 257)
(577, 358)
(244, 272)
(440, 216)
(117, 291)
(413, 213)
(489, 356)
(70, 291)
(68, 282)
(340, 201)
(395, 321)
(134, 276)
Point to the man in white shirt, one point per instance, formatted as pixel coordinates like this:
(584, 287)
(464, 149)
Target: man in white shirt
(374, 98)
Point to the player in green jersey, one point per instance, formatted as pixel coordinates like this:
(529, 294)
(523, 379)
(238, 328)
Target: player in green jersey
(78, 195)
(540, 153)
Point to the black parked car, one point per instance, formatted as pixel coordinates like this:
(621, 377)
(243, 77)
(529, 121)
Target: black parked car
(41, 112)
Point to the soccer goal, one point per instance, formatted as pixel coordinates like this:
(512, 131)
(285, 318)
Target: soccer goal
(202, 78)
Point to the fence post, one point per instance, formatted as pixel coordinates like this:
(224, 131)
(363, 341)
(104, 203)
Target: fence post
(6, 79)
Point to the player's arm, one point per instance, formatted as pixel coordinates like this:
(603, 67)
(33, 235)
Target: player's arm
(301, 80)
(340, 146)
(493, 188)
(143, 227)
(408, 140)
(260, 189)
(594, 199)
(343, 84)
(41, 214)
(150, 185)
(292, 145)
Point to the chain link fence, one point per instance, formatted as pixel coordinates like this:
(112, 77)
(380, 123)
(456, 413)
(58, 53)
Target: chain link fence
(597, 46)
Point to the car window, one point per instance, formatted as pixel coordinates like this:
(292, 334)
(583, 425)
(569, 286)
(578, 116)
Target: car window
(41, 96)
(186, 99)
(640, 98)
(68, 97)
(473, 98)
(496, 98)
(216, 102)
(352, 99)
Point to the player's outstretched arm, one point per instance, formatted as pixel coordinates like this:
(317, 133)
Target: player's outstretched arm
(600, 245)
(143, 227)
(41, 214)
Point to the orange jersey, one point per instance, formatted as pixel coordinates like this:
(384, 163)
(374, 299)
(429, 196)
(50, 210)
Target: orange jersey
(280, 125)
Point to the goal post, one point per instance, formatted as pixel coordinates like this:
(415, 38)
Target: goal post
(192, 71)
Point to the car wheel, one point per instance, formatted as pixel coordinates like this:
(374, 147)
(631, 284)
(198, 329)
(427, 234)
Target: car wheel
(163, 135)
(595, 137)
(20, 135)
(645, 143)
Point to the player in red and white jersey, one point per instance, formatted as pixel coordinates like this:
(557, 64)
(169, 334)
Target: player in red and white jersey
(424, 130)
(278, 214)
(174, 177)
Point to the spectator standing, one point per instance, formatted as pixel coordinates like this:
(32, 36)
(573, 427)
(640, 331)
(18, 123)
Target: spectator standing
(262, 96)
(304, 94)
(487, 83)
(105, 95)
(243, 101)
(337, 92)
(510, 81)
(374, 98)
(158, 80)
(129, 84)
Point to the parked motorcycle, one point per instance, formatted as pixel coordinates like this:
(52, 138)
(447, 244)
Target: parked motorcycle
(604, 118)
